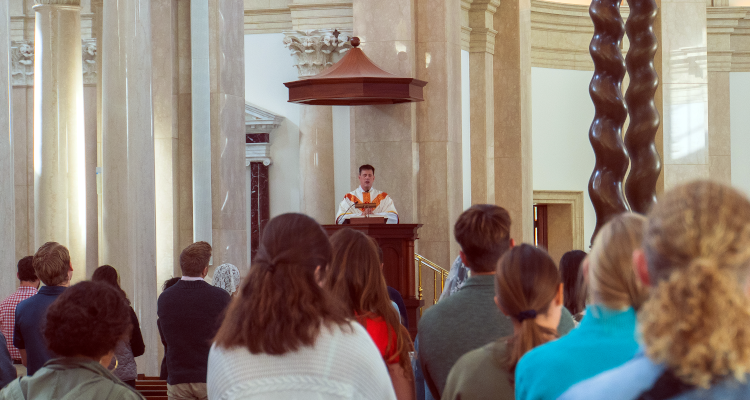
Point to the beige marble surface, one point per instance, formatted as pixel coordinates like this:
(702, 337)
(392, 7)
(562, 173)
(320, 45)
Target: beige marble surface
(317, 194)
(438, 55)
(7, 192)
(512, 71)
(128, 214)
(385, 136)
(482, 118)
(228, 192)
(59, 153)
(165, 80)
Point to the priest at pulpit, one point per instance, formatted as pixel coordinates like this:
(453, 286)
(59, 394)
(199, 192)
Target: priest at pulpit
(366, 194)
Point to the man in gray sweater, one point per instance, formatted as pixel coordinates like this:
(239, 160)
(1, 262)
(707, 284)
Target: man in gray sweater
(469, 319)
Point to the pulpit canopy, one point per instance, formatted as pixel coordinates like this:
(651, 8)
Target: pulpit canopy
(355, 81)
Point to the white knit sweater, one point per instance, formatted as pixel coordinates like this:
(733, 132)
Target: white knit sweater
(341, 365)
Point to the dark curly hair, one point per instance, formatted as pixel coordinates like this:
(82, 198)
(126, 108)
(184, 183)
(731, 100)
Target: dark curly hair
(88, 319)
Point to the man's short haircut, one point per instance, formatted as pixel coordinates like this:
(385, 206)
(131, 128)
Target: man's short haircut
(52, 263)
(194, 259)
(366, 167)
(26, 271)
(483, 232)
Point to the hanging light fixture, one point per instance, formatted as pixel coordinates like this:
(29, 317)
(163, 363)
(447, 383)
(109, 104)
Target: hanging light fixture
(355, 81)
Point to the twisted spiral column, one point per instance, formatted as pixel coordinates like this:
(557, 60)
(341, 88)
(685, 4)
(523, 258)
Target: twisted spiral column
(605, 134)
(640, 186)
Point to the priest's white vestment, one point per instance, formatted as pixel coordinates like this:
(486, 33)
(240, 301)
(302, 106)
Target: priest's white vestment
(384, 208)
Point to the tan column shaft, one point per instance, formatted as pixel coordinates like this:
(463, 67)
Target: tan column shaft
(513, 167)
(59, 154)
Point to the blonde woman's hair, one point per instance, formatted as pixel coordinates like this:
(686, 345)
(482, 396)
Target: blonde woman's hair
(612, 280)
(697, 246)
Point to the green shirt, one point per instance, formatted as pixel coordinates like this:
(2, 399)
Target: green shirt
(467, 320)
(70, 379)
(478, 375)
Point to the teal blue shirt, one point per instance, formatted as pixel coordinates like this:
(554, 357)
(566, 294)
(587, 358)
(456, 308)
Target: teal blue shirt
(605, 339)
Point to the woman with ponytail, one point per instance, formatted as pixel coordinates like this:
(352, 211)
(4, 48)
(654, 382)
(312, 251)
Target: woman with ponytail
(695, 324)
(354, 278)
(284, 337)
(606, 337)
(529, 292)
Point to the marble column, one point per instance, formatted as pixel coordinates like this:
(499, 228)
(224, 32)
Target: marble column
(512, 72)
(313, 51)
(97, 8)
(385, 136)
(482, 83)
(227, 63)
(184, 132)
(440, 187)
(128, 215)
(91, 116)
(164, 71)
(7, 194)
(59, 153)
(682, 67)
(721, 23)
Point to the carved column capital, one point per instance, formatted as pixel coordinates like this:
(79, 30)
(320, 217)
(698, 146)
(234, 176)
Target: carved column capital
(89, 53)
(315, 50)
(22, 62)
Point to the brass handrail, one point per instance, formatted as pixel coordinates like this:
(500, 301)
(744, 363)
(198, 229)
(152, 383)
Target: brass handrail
(436, 269)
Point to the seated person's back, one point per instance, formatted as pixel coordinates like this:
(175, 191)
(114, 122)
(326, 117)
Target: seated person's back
(469, 319)
(189, 316)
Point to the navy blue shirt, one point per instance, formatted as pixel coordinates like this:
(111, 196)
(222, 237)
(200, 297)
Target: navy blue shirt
(30, 317)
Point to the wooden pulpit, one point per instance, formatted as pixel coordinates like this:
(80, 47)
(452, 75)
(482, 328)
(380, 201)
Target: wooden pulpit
(397, 242)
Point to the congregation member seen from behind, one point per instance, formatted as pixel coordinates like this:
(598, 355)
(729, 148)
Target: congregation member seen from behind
(52, 265)
(469, 318)
(83, 327)
(695, 324)
(284, 336)
(606, 337)
(132, 346)
(163, 372)
(529, 291)
(574, 284)
(189, 316)
(29, 285)
(354, 278)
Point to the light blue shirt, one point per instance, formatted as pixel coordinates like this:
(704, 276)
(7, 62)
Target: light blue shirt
(605, 339)
(628, 381)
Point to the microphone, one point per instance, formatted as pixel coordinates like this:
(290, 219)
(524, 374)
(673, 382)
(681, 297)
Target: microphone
(347, 210)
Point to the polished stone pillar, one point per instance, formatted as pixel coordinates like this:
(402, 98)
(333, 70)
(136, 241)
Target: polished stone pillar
(228, 187)
(440, 187)
(7, 197)
(59, 153)
(91, 114)
(165, 99)
(513, 167)
(482, 82)
(313, 51)
(682, 66)
(721, 23)
(128, 162)
(385, 136)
